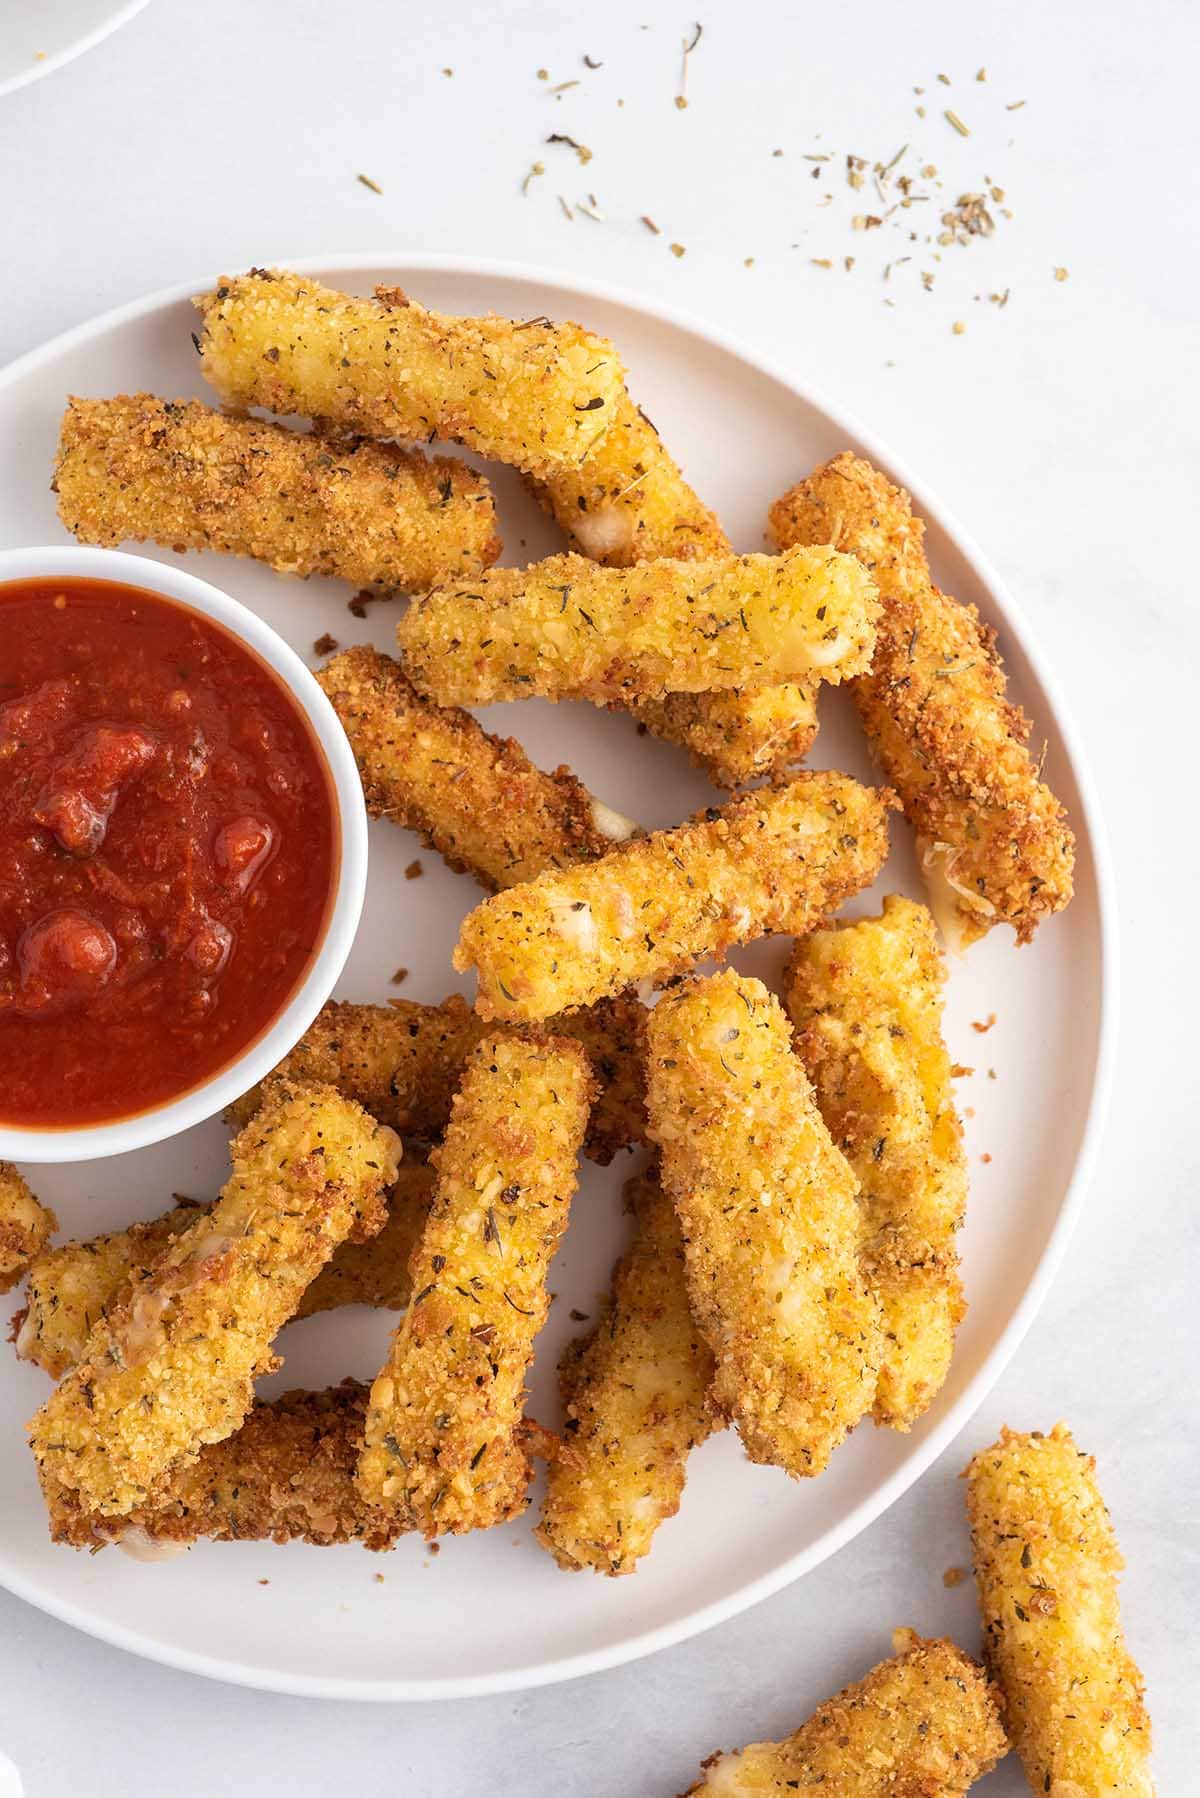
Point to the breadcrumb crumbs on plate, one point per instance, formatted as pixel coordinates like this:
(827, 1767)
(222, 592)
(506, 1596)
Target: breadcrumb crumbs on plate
(1060, 274)
(982, 1027)
(325, 645)
(959, 327)
(678, 249)
(954, 1576)
(986, 1159)
(961, 1072)
(414, 870)
(400, 976)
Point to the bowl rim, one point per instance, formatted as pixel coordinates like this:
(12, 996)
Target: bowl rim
(178, 586)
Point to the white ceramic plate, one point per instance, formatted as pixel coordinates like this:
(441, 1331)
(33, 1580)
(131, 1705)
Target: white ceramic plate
(37, 39)
(492, 1612)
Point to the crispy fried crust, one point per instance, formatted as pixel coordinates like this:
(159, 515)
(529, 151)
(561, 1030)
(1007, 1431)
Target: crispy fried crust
(994, 841)
(443, 1443)
(568, 629)
(535, 394)
(137, 469)
(923, 1725)
(769, 862)
(636, 1392)
(477, 799)
(286, 1475)
(771, 1226)
(171, 1366)
(866, 1001)
(403, 1061)
(737, 736)
(1046, 1565)
(69, 1287)
(26, 1226)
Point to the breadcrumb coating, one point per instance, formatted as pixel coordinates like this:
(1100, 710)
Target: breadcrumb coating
(286, 1475)
(477, 799)
(443, 1442)
(137, 469)
(26, 1226)
(737, 736)
(772, 862)
(568, 629)
(994, 842)
(922, 1725)
(530, 392)
(171, 1365)
(1046, 1565)
(636, 1390)
(866, 1003)
(69, 1287)
(402, 1062)
(770, 1220)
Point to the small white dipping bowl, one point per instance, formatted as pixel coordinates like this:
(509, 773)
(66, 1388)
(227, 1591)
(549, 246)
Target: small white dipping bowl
(91, 1141)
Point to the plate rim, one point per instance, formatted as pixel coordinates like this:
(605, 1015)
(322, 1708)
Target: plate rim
(948, 1427)
(79, 46)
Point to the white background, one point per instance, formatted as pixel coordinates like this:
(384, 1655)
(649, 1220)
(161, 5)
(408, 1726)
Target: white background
(1062, 430)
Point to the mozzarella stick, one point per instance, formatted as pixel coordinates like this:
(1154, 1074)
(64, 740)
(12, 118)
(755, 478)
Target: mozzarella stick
(768, 863)
(866, 1002)
(770, 1220)
(286, 1475)
(994, 842)
(170, 1367)
(567, 629)
(636, 1391)
(1046, 1565)
(477, 799)
(737, 736)
(922, 1725)
(403, 1061)
(26, 1226)
(140, 469)
(68, 1288)
(531, 393)
(443, 1442)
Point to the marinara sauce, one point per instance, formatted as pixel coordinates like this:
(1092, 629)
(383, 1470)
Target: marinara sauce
(168, 850)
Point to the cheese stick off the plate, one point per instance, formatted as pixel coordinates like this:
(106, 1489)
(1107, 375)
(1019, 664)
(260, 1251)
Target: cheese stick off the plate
(172, 1366)
(26, 1226)
(769, 863)
(528, 392)
(769, 1213)
(137, 469)
(444, 1443)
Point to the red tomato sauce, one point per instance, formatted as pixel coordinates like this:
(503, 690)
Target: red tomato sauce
(168, 850)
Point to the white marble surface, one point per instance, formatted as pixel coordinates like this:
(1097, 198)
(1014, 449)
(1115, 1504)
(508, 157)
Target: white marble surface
(1061, 429)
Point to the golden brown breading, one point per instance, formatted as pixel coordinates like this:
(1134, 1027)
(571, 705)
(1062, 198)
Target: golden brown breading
(532, 393)
(1046, 1565)
(866, 1001)
(171, 1366)
(770, 1220)
(137, 469)
(994, 842)
(568, 629)
(26, 1226)
(443, 1442)
(477, 799)
(769, 862)
(636, 1390)
(737, 736)
(403, 1061)
(286, 1475)
(922, 1725)
(69, 1287)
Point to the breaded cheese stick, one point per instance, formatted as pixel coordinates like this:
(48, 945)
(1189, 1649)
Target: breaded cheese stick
(568, 629)
(529, 392)
(26, 1226)
(477, 799)
(994, 842)
(403, 1061)
(769, 862)
(636, 1391)
(922, 1725)
(171, 1366)
(738, 735)
(866, 1002)
(69, 1287)
(286, 1475)
(1046, 1565)
(443, 1443)
(140, 469)
(770, 1220)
